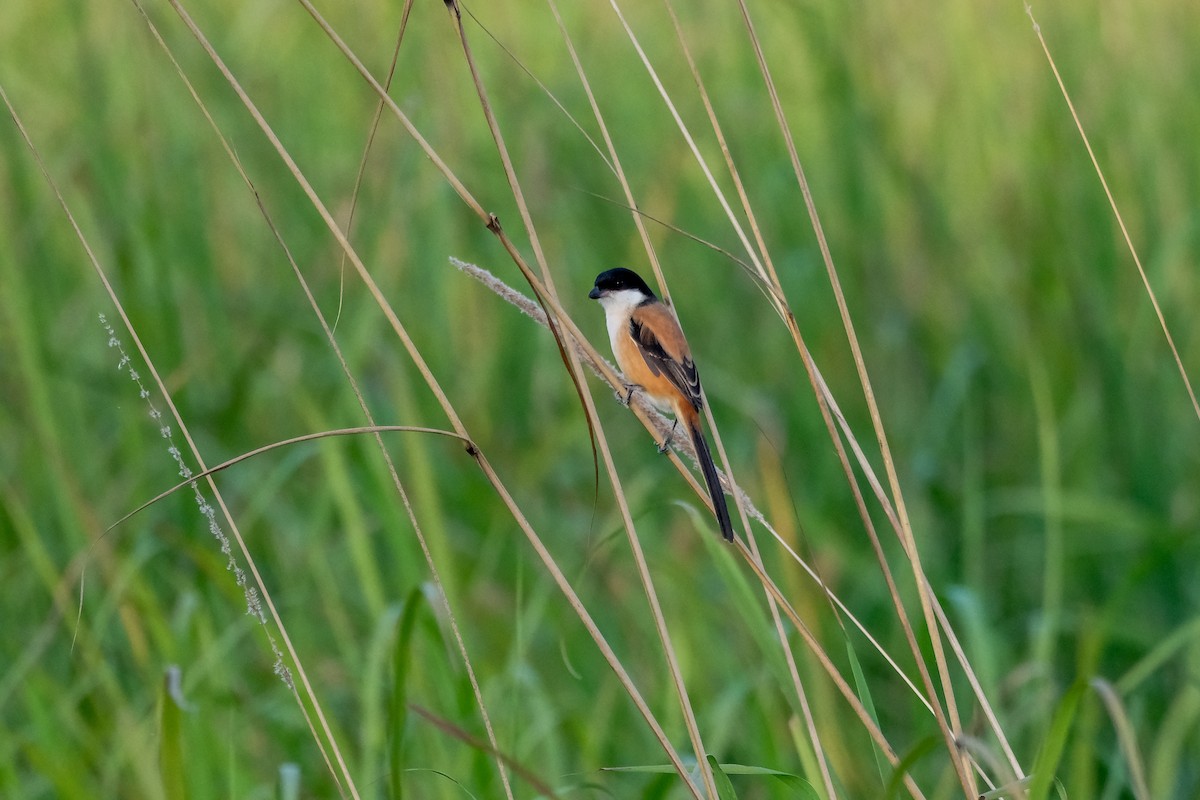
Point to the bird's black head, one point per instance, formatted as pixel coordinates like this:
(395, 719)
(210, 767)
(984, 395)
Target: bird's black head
(617, 280)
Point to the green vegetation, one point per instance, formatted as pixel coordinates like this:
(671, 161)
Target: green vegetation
(1045, 443)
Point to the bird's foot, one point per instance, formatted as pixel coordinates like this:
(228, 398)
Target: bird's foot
(665, 445)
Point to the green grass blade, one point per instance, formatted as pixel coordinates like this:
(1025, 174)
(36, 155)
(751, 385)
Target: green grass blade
(170, 747)
(289, 781)
(1125, 735)
(399, 705)
(1055, 742)
(863, 690)
(725, 789)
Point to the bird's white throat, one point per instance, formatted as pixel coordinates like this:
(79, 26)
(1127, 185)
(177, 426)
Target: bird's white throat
(617, 308)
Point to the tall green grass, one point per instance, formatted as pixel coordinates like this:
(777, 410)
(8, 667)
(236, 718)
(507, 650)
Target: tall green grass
(1044, 441)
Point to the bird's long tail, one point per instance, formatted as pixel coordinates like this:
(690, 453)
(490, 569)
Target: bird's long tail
(712, 480)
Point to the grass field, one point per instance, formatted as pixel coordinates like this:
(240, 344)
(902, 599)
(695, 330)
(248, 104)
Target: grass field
(483, 622)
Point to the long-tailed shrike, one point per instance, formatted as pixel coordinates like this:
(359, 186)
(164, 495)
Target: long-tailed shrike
(654, 355)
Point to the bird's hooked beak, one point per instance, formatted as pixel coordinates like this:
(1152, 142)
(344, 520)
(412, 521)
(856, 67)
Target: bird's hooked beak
(594, 294)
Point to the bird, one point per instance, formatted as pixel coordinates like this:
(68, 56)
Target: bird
(654, 355)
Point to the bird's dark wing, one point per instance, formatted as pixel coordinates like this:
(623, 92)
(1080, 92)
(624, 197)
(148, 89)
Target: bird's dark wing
(671, 359)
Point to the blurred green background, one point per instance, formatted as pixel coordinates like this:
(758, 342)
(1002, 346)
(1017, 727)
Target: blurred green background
(1045, 443)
